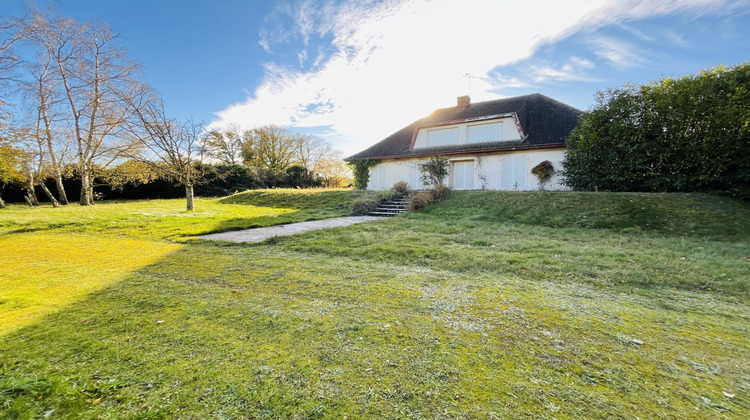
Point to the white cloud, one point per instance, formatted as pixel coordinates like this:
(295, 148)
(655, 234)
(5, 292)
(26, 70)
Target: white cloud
(676, 38)
(574, 69)
(617, 52)
(394, 61)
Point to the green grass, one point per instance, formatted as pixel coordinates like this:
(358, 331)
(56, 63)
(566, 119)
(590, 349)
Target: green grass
(167, 219)
(688, 241)
(487, 305)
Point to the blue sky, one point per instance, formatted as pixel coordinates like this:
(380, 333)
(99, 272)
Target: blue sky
(356, 71)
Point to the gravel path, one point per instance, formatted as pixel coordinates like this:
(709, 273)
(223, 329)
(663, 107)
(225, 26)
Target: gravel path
(261, 234)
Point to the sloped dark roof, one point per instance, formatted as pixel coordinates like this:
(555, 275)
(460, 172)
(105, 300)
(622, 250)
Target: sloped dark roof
(544, 121)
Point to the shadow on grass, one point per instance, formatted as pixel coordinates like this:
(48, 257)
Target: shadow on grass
(206, 332)
(211, 331)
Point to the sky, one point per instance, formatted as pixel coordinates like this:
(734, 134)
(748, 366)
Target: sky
(354, 72)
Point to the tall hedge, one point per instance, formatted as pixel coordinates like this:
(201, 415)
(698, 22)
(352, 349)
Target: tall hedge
(685, 134)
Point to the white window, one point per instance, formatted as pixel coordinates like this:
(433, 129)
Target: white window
(463, 175)
(442, 136)
(479, 133)
(513, 173)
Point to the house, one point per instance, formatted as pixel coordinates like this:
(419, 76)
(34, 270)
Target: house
(492, 145)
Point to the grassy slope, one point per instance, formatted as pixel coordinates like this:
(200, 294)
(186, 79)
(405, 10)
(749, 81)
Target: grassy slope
(689, 241)
(512, 305)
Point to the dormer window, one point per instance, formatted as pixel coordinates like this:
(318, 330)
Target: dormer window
(480, 133)
(442, 136)
(488, 129)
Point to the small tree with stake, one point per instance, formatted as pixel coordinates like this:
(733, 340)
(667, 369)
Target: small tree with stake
(434, 171)
(177, 145)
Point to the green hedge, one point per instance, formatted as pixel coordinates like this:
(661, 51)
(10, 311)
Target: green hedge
(686, 134)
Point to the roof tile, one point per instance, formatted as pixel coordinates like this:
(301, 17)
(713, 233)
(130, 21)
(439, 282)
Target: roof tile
(545, 122)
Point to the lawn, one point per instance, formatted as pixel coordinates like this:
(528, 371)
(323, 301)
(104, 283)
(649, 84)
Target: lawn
(487, 305)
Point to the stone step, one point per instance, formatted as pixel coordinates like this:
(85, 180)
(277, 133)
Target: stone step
(384, 214)
(391, 208)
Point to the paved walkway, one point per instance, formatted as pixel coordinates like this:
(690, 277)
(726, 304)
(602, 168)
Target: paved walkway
(261, 234)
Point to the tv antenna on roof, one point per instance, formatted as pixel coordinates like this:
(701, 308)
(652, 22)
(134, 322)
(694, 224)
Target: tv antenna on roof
(468, 76)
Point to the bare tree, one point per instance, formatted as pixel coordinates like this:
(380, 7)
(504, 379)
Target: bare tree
(97, 82)
(47, 99)
(333, 170)
(34, 161)
(271, 147)
(172, 147)
(12, 30)
(226, 146)
(310, 151)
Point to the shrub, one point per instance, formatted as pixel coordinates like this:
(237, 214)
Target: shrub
(418, 201)
(401, 187)
(384, 196)
(544, 172)
(434, 171)
(439, 192)
(364, 206)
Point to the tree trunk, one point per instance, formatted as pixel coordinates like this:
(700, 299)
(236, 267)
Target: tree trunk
(189, 197)
(49, 195)
(60, 188)
(2, 203)
(30, 193)
(86, 189)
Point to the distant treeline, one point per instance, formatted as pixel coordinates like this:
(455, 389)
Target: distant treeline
(220, 180)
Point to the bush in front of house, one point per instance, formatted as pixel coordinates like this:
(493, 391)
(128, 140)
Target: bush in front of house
(435, 170)
(439, 192)
(387, 195)
(401, 187)
(422, 199)
(364, 206)
(544, 173)
(419, 200)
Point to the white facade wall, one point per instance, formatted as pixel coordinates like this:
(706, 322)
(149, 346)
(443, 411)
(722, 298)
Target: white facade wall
(492, 171)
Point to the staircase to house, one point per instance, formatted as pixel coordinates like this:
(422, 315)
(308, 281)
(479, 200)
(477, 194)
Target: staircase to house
(391, 208)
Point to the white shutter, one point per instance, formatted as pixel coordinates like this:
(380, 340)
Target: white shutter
(381, 177)
(506, 174)
(469, 168)
(513, 173)
(442, 137)
(463, 175)
(414, 182)
(484, 132)
(519, 172)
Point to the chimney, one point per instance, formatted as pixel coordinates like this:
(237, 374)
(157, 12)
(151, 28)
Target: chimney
(463, 101)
